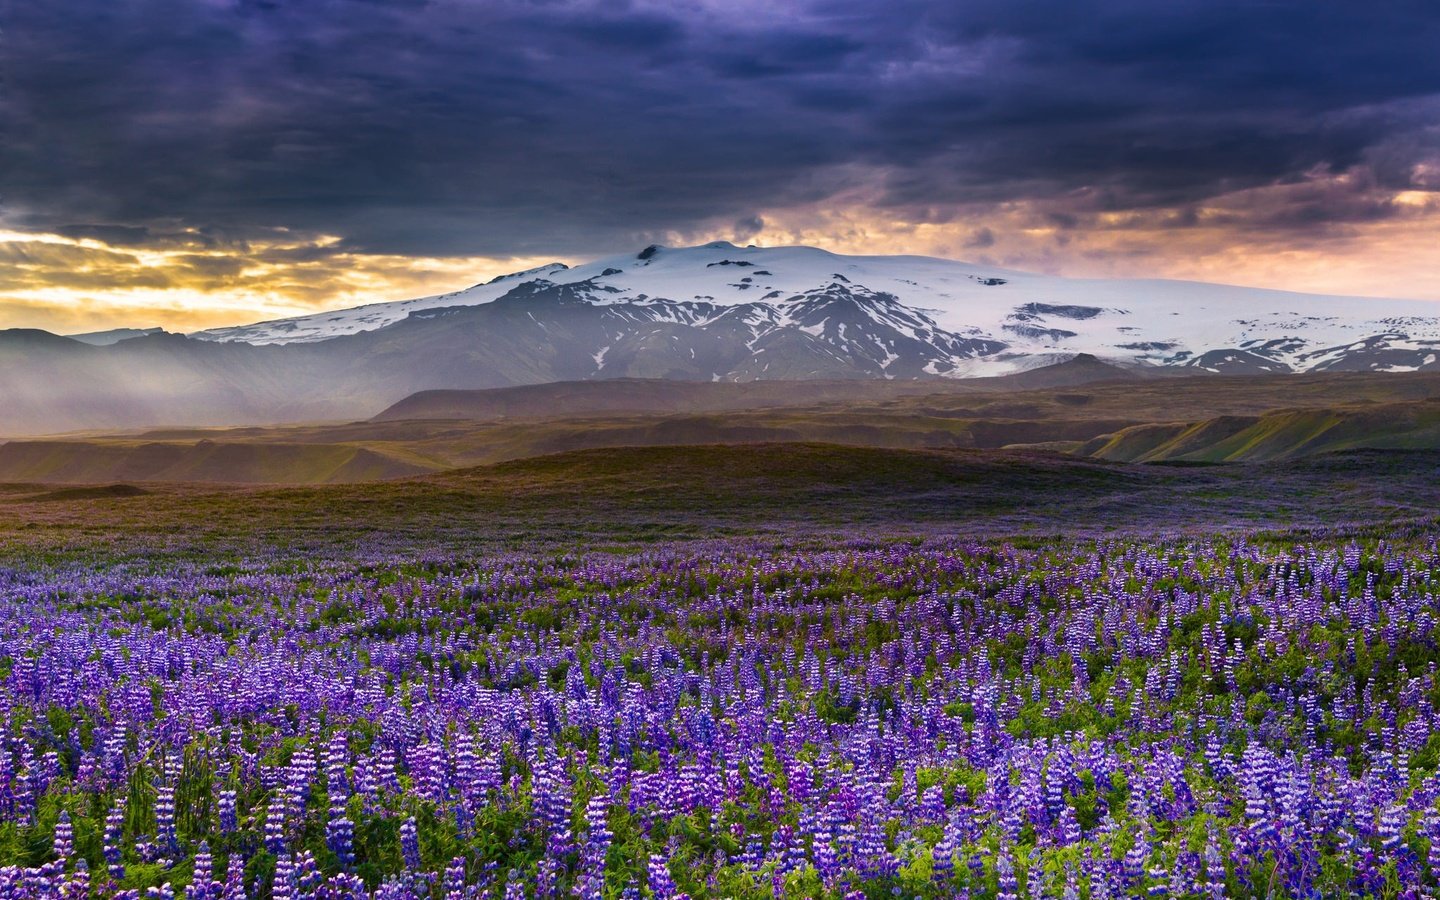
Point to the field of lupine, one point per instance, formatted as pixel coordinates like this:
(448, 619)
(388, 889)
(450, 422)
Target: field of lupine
(923, 719)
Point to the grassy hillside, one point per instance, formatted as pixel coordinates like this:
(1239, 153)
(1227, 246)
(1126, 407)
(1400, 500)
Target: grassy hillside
(1192, 419)
(623, 495)
(1277, 435)
(205, 460)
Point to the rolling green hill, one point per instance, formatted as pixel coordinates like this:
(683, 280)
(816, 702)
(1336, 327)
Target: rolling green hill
(1281, 434)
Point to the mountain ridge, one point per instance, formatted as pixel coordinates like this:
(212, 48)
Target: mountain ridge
(1008, 316)
(715, 312)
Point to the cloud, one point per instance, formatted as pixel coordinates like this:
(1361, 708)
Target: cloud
(455, 127)
(79, 284)
(569, 128)
(980, 238)
(749, 226)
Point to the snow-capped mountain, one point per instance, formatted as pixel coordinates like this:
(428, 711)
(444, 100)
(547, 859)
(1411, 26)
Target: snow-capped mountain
(909, 316)
(716, 312)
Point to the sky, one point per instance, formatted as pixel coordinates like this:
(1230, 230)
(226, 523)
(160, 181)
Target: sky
(191, 163)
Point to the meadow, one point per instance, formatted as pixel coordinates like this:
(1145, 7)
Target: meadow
(901, 706)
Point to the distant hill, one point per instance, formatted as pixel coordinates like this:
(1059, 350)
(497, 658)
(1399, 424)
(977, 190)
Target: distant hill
(1080, 369)
(1094, 410)
(113, 336)
(88, 462)
(660, 396)
(637, 395)
(667, 396)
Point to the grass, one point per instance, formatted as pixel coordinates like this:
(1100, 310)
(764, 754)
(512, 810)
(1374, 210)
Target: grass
(98, 492)
(642, 494)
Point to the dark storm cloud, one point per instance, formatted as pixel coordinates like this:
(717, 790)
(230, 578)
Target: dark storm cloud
(748, 227)
(143, 236)
(980, 239)
(509, 127)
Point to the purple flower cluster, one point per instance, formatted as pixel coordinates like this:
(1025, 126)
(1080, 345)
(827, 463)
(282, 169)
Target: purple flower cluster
(1225, 718)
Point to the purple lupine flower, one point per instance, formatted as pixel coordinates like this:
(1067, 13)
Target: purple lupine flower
(275, 824)
(932, 802)
(1185, 880)
(1432, 832)
(1159, 886)
(114, 825)
(307, 874)
(77, 886)
(454, 886)
(394, 889)
(514, 887)
(165, 818)
(1068, 827)
(342, 886)
(298, 778)
(340, 838)
(1005, 874)
(337, 754)
(551, 791)
(593, 850)
(202, 878)
(410, 844)
(234, 888)
(282, 882)
(827, 861)
(64, 836)
(1134, 864)
(657, 876)
(1214, 869)
(1392, 822)
(943, 858)
(227, 812)
(546, 878)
